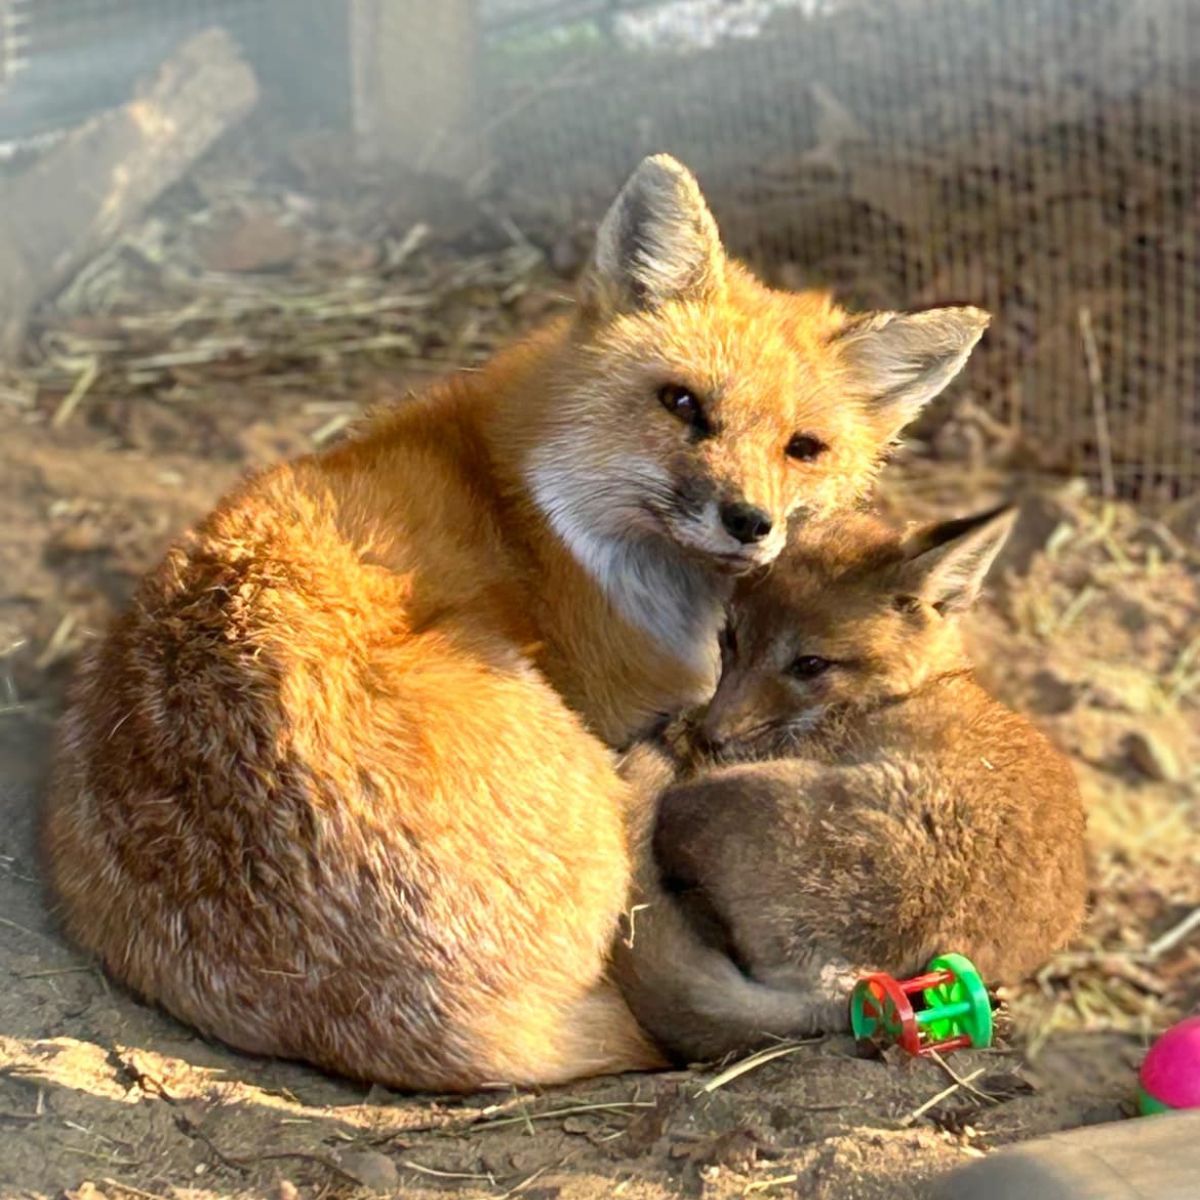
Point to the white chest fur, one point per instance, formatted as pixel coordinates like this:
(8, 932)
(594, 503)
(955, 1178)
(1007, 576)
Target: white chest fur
(649, 582)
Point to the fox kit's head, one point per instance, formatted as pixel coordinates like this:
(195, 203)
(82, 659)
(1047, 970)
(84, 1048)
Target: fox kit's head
(853, 615)
(698, 405)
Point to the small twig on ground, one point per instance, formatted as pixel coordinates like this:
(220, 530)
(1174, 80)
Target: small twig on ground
(523, 1112)
(56, 646)
(499, 1115)
(436, 1174)
(921, 1110)
(524, 1117)
(21, 929)
(76, 970)
(330, 429)
(1174, 935)
(752, 1063)
(957, 1078)
(129, 1189)
(765, 1185)
(520, 1187)
(110, 1159)
(245, 1164)
(80, 388)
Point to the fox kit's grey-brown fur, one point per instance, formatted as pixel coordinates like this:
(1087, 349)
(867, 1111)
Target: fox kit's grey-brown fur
(876, 805)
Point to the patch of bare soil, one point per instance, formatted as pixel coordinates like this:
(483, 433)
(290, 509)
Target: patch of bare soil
(128, 424)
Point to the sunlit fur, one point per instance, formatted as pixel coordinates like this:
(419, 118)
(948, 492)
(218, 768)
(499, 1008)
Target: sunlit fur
(619, 476)
(878, 814)
(338, 785)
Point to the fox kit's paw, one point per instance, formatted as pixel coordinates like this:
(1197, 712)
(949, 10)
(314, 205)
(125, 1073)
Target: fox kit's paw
(815, 973)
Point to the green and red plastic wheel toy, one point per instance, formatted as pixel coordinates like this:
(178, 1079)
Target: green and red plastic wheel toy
(945, 1008)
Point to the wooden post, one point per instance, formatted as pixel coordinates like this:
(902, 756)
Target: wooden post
(416, 74)
(73, 201)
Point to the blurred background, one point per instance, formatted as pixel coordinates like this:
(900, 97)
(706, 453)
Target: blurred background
(226, 227)
(1038, 157)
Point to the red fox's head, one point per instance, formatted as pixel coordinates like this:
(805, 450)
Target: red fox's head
(853, 614)
(698, 404)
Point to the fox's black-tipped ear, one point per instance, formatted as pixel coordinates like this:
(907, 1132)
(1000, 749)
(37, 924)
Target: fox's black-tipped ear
(946, 564)
(900, 361)
(658, 242)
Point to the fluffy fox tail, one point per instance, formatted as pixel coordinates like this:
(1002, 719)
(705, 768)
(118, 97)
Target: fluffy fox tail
(684, 990)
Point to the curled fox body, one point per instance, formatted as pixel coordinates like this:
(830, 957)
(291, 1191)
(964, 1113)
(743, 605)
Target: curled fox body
(340, 783)
(870, 805)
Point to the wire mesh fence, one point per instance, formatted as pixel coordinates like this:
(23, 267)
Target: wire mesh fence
(1038, 157)
(11, 20)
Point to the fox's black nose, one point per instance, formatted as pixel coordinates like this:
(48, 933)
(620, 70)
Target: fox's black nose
(745, 522)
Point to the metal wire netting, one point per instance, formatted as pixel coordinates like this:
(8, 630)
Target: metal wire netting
(1038, 157)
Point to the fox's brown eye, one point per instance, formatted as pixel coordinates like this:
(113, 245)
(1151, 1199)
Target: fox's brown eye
(681, 403)
(809, 666)
(804, 448)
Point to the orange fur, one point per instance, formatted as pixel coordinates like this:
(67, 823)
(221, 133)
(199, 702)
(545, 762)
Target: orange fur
(339, 784)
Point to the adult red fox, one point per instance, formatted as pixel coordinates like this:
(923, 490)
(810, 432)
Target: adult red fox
(338, 785)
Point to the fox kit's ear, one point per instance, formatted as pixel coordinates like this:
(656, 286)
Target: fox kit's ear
(658, 242)
(902, 360)
(946, 563)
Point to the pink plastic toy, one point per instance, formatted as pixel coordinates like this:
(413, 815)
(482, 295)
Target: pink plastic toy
(1170, 1074)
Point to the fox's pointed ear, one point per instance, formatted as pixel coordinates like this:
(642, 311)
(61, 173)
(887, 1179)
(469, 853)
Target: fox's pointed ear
(900, 361)
(658, 242)
(946, 564)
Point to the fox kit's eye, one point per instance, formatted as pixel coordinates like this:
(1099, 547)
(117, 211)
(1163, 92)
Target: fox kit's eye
(809, 666)
(681, 403)
(804, 448)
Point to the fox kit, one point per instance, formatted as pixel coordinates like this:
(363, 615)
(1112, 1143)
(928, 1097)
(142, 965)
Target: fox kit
(339, 784)
(885, 807)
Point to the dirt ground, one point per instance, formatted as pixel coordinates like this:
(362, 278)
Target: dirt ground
(1088, 628)
(1091, 626)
